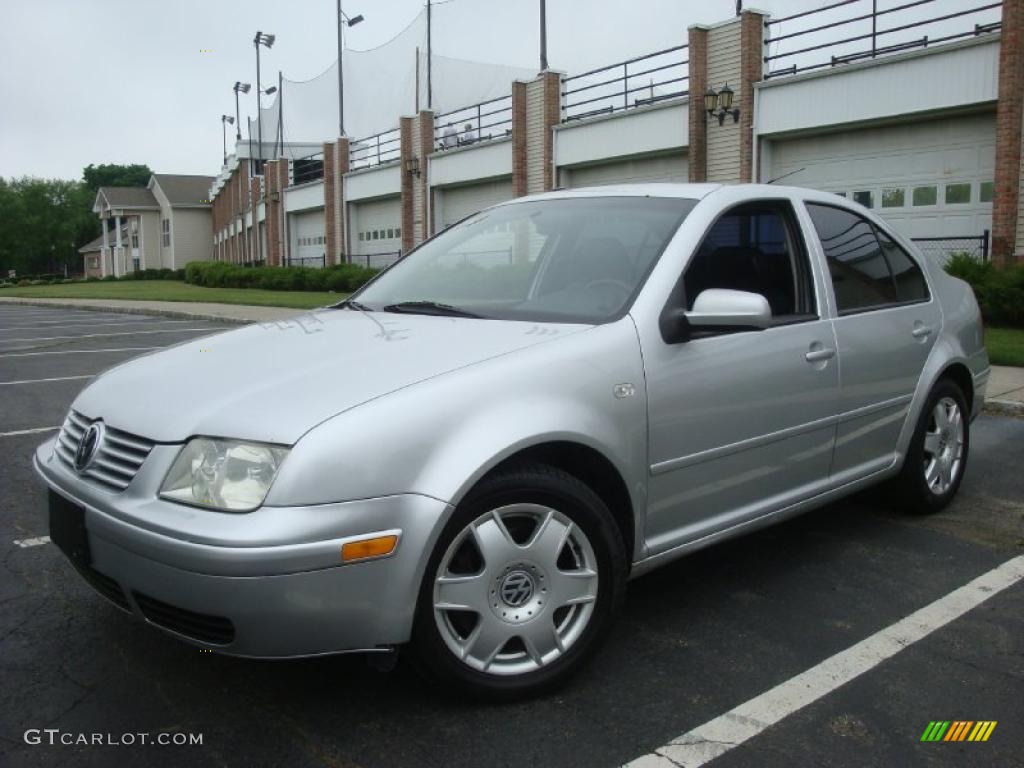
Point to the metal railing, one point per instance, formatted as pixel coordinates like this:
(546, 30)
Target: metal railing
(837, 34)
(309, 168)
(944, 248)
(307, 261)
(626, 84)
(375, 260)
(469, 125)
(375, 150)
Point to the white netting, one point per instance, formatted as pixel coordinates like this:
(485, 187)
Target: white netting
(380, 86)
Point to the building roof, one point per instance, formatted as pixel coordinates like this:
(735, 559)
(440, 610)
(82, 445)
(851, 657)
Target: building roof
(95, 245)
(183, 190)
(128, 197)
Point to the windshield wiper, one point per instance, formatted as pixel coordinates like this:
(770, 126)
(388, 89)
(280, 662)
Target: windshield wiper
(428, 308)
(350, 304)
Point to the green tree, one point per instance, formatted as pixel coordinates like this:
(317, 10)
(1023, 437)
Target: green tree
(113, 175)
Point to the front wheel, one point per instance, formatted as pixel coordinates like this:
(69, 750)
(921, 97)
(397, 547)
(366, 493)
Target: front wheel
(938, 450)
(521, 586)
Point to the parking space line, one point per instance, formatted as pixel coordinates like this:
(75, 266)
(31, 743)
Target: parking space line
(716, 737)
(36, 541)
(43, 381)
(33, 431)
(78, 351)
(106, 335)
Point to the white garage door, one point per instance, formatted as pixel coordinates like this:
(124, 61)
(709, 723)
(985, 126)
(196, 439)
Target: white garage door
(307, 236)
(456, 203)
(661, 168)
(376, 228)
(930, 179)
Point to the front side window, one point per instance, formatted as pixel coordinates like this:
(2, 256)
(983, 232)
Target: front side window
(755, 247)
(565, 260)
(868, 269)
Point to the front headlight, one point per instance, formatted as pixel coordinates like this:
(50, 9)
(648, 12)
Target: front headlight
(229, 475)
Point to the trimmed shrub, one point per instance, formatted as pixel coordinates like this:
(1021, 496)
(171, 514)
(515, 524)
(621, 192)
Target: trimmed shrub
(218, 274)
(1000, 292)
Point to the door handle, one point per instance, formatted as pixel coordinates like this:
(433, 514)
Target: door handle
(920, 331)
(817, 355)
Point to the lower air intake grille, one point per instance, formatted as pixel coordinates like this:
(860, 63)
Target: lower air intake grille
(215, 630)
(107, 587)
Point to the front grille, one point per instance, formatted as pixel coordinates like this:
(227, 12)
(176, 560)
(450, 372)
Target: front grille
(118, 457)
(106, 586)
(215, 630)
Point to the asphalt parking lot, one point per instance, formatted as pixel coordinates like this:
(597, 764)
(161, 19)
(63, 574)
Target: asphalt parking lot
(695, 639)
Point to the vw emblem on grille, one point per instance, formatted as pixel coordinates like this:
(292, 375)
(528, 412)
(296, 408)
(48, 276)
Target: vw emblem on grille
(88, 446)
(516, 589)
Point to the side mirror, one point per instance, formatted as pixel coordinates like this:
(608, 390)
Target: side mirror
(718, 309)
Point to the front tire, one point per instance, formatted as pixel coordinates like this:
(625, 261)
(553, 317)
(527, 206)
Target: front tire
(938, 450)
(521, 587)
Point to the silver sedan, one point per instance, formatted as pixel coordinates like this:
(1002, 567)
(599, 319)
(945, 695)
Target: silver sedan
(471, 455)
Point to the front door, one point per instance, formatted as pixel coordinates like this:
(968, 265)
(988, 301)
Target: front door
(741, 423)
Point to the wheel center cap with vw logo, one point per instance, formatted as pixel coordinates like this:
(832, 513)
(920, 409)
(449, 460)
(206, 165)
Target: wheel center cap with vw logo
(516, 589)
(88, 446)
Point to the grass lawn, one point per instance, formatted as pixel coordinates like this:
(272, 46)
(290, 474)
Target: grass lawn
(174, 290)
(1005, 346)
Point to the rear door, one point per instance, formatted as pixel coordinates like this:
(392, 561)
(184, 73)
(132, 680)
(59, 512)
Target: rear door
(886, 324)
(740, 423)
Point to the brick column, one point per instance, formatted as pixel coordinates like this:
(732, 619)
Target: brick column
(276, 175)
(697, 154)
(519, 138)
(336, 164)
(256, 252)
(1007, 213)
(543, 111)
(751, 59)
(416, 143)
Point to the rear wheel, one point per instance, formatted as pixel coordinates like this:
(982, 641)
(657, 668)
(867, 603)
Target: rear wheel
(938, 451)
(521, 586)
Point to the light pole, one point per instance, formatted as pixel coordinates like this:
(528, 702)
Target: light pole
(268, 41)
(350, 22)
(240, 87)
(543, 36)
(226, 120)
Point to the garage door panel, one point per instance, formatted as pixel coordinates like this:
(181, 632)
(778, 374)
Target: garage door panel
(670, 168)
(456, 203)
(376, 226)
(921, 154)
(308, 241)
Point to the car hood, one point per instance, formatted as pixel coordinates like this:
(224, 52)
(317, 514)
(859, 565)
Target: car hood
(275, 381)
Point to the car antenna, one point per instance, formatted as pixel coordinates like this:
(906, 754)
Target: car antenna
(786, 175)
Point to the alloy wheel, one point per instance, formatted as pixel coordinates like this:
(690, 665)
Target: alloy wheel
(943, 446)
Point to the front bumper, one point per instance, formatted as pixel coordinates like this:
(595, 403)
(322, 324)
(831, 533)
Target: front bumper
(274, 575)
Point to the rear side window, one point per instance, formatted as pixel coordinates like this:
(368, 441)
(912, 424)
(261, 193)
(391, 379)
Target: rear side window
(860, 275)
(910, 282)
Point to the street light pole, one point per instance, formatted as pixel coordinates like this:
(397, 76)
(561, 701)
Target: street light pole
(343, 21)
(240, 87)
(543, 36)
(224, 121)
(430, 83)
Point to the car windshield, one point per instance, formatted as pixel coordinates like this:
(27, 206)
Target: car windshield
(579, 260)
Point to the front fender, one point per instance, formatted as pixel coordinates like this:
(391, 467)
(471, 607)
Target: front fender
(439, 437)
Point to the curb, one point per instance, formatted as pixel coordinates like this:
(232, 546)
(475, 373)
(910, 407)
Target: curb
(1005, 408)
(178, 314)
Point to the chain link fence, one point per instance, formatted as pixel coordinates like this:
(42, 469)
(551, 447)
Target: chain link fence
(942, 249)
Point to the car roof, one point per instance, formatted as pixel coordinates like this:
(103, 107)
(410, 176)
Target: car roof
(690, 191)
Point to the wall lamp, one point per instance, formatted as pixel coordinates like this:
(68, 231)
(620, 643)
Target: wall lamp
(722, 102)
(412, 166)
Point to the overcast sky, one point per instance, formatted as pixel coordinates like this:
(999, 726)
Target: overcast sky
(141, 81)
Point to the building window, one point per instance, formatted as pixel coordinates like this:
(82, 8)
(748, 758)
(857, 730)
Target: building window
(893, 198)
(865, 198)
(165, 230)
(925, 195)
(376, 234)
(94, 262)
(398, 231)
(957, 194)
(986, 191)
(362, 236)
(841, 194)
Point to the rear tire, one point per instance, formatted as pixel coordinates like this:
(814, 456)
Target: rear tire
(937, 455)
(521, 587)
